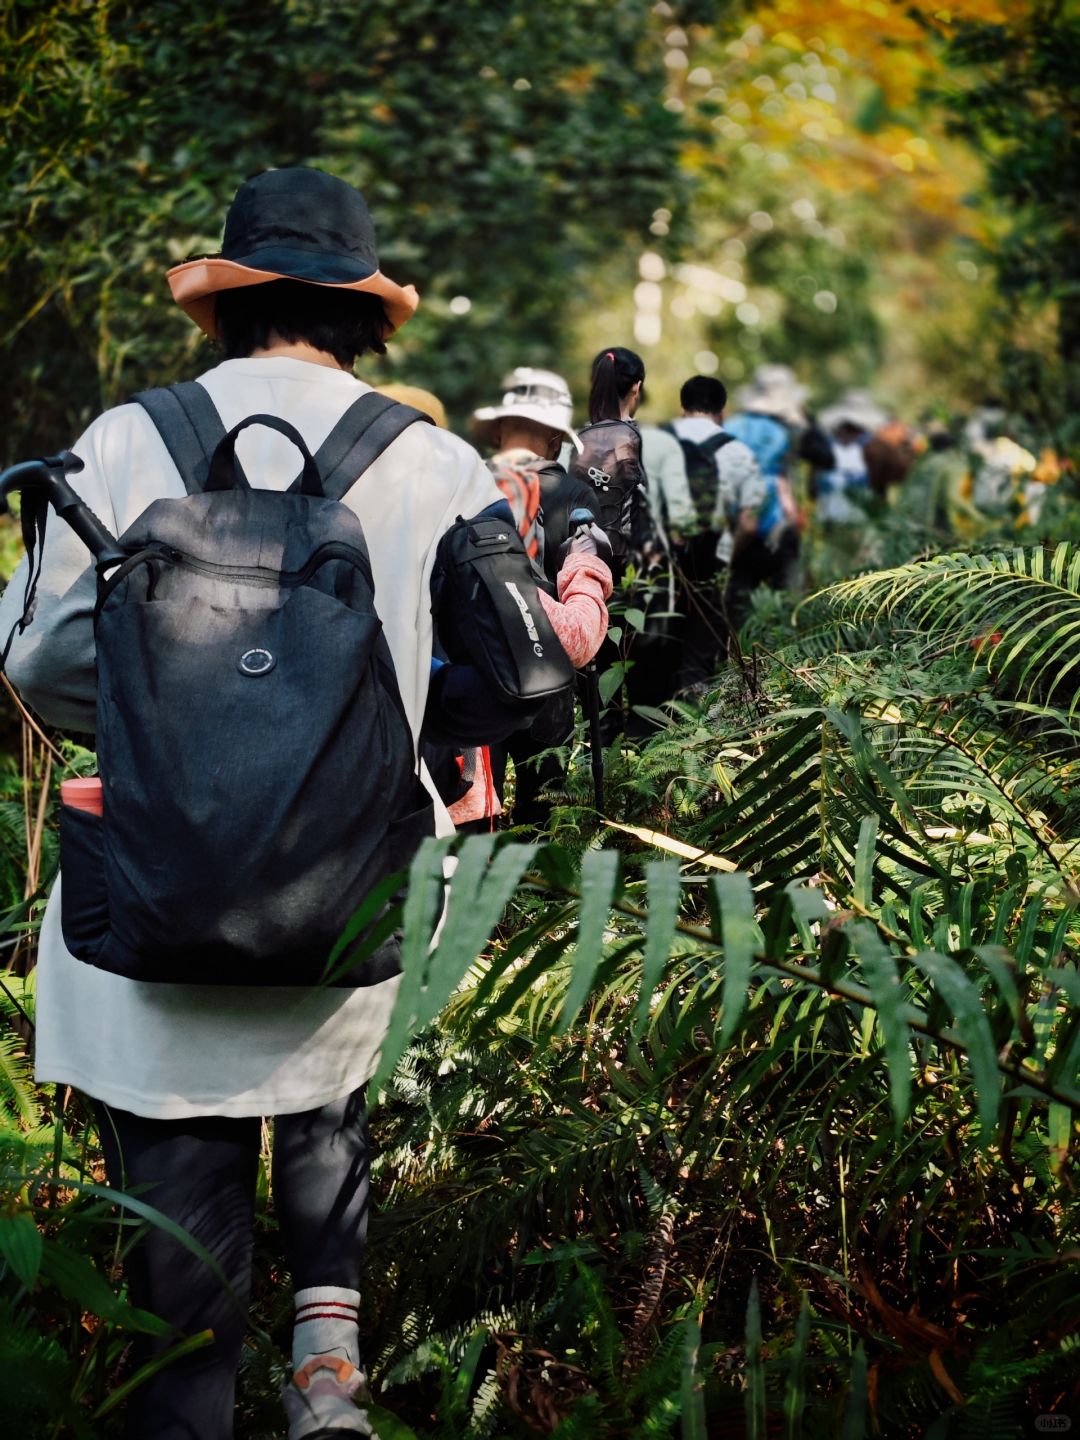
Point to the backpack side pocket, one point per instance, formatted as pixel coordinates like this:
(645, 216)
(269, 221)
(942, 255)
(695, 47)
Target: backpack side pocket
(84, 902)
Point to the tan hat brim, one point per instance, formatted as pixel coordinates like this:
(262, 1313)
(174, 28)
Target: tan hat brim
(195, 283)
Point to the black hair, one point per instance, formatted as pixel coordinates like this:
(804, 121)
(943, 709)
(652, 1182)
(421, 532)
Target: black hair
(343, 323)
(614, 374)
(702, 395)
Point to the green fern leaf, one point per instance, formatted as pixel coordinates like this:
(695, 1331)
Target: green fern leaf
(857, 1409)
(795, 1385)
(756, 1424)
(735, 899)
(883, 982)
(599, 875)
(963, 999)
(478, 894)
(662, 881)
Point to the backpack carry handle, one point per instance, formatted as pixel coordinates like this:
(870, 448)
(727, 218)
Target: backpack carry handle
(225, 473)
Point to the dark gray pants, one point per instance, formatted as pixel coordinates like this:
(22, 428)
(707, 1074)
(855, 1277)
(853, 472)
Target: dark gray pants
(201, 1173)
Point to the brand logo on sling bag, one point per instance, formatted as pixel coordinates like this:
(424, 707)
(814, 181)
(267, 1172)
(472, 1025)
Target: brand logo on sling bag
(526, 615)
(600, 478)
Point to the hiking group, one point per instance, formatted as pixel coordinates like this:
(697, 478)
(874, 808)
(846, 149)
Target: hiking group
(323, 630)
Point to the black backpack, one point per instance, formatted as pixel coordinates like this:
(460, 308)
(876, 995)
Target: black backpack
(493, 615)
(259, 775)
(701, 471)
(610, 463)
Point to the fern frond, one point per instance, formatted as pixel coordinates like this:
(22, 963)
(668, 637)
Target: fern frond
(18, 1093)
(1016, 612)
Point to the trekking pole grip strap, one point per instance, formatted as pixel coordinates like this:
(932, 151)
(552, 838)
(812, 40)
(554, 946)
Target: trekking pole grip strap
(224, 473)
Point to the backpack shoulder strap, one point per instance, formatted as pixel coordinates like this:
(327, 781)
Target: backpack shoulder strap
(716, 442)
(188, 422)
(369, 425)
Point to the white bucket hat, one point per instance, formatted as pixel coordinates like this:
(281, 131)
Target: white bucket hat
(855, 407)
(528, 394)
(774, 390)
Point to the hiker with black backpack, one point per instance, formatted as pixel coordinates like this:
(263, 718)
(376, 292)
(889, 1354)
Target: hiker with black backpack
(526, 428)
(728, 491)
(669, 485)
(255, 655)
(611, 462)
(608, 458)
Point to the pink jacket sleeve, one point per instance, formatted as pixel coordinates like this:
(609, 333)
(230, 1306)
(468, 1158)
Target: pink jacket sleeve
(579, 617)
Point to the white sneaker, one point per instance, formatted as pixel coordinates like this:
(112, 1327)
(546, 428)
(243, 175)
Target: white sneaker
(319, 1400)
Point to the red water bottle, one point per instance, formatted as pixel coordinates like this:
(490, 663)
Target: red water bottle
(82, 794)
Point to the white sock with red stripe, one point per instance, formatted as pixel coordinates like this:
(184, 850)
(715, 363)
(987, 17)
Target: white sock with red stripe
(326, 1324)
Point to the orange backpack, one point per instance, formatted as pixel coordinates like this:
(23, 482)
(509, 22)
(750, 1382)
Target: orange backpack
(521, 486)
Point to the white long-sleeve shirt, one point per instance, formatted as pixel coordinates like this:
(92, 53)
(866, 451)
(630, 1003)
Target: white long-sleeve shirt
(177, 1050)
(665, 466)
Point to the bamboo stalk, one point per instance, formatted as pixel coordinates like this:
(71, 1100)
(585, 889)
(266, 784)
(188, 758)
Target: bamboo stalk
(33, 871)
(28, 719)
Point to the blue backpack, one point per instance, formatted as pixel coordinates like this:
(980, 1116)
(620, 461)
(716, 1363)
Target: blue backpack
(770, 441)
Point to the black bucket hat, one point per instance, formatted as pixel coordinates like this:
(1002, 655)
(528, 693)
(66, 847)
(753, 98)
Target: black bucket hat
(292, 224)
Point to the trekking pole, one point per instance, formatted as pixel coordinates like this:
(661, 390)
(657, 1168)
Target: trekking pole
(581, 520)
(596, 747)
(46, 480)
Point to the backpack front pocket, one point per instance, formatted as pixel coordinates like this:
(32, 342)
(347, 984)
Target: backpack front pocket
(255, 761)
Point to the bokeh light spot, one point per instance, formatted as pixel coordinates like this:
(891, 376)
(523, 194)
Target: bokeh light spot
(651, 266)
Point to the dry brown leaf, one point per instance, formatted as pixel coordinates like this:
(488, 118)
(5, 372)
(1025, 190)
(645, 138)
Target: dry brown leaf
(660, 841)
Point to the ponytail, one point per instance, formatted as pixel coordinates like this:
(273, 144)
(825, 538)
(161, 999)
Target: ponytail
(614, 374)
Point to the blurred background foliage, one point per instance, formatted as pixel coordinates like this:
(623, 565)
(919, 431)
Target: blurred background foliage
(867, 191)
(503, 150)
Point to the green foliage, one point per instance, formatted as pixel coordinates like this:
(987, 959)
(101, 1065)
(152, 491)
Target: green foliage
(1017, 613)
(12, 833)
(63, 1326)
(905, 915)
(500, 150)
(743, 955)
(1012, 94)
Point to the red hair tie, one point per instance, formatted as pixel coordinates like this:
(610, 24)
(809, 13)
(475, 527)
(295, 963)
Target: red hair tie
(609, 355)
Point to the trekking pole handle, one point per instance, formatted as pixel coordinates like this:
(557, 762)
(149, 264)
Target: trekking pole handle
(48, 476)
(37, 472)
